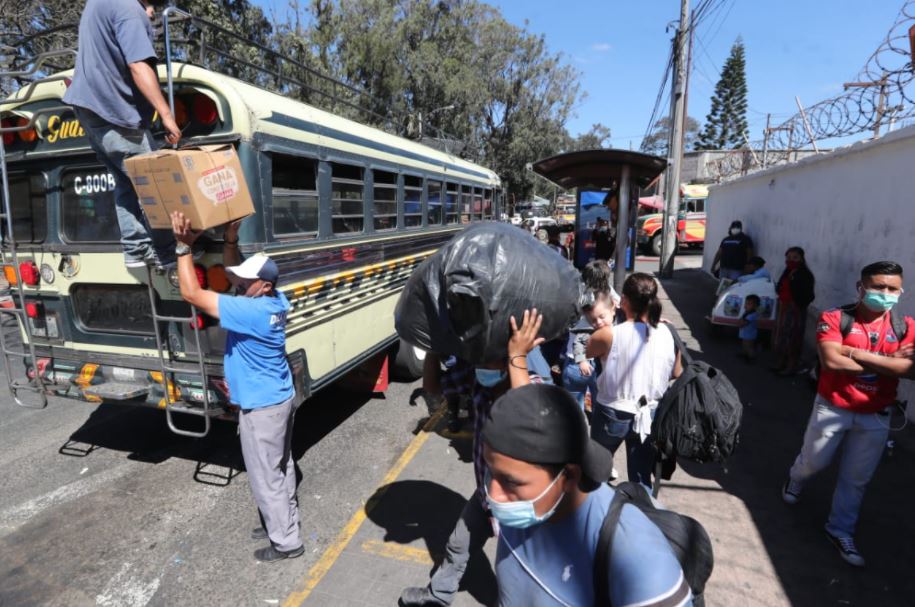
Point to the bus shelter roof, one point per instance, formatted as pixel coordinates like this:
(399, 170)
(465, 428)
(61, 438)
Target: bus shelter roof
(599, 169)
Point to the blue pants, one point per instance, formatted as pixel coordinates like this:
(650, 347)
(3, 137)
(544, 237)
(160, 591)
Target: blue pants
(576, 383)
(610, 428)
(113, 144)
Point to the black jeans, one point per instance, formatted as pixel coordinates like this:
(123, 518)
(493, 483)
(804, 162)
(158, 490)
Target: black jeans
(610, 428)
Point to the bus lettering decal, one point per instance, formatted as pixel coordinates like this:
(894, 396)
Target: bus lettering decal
(63, 129)
(93, 184)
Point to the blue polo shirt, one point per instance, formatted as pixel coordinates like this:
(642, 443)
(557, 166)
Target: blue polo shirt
(255, 362)
(552, 564)
(112, 35)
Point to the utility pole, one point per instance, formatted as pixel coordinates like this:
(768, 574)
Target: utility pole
(765, 152)
(675, 153)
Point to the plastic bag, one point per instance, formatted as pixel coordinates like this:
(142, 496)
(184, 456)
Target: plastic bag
(459, 301)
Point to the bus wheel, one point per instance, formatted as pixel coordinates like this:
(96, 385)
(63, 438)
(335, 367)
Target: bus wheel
(408, 364)
(656, 244)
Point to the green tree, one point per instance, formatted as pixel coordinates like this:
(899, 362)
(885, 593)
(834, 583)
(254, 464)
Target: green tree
(726, 122)
(596, 138)
(657, 141)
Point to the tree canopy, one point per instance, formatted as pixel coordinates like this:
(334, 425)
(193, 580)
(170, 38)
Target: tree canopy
(657, 141)
(458, 68)
(726, 123)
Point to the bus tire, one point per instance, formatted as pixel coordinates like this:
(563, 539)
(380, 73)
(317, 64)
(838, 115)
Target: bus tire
(408, 363)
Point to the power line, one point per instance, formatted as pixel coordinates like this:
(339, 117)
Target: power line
(664, 81)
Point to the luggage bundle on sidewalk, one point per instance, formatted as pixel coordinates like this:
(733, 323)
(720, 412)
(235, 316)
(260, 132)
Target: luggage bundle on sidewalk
(459, 301)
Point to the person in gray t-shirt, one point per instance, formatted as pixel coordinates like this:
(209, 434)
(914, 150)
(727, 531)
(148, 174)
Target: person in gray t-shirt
(115, 90)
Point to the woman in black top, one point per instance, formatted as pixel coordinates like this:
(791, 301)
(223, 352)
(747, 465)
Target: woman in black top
(795, 291)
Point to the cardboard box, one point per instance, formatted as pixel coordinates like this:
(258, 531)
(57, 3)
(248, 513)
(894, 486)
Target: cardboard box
(205, 183)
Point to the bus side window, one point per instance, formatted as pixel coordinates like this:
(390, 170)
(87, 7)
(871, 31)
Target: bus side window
(412, 201)
(466, 203)
(385, 200)
(451, 204)
(487, 204)
(295, 195)
(346, 198)
(435, 202)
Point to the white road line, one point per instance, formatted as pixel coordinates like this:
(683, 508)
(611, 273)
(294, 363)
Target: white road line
(13, 518)
(126, 590)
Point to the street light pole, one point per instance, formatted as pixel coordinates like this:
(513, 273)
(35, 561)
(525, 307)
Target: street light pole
(675, 154)
(419, 117)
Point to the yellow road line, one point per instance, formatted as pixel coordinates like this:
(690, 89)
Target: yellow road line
(330, 556)
(398, 552)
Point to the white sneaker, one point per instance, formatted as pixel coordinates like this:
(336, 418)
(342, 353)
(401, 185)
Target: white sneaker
(847, 549)
(791, 492)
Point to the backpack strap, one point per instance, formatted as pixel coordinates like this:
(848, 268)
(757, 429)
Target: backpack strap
(846, 319)
(680, 346)
(900, 326)
(897, 321)
(604, 545)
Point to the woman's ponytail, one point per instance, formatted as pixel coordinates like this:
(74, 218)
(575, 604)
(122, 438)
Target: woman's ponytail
(641, 292)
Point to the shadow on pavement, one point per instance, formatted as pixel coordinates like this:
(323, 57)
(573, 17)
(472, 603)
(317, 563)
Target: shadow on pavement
(775, 416)
(142, 432)
(422, 510)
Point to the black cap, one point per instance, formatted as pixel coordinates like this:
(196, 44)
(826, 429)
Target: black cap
(542, 424)
(737, 224)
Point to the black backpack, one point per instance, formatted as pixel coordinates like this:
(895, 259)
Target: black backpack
(698, 418)
(686, 536)
(847, 319)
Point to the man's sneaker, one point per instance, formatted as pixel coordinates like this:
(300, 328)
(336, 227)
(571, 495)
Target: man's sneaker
(135, 263)
(415, 596)
(847, 549)
(791, 492)
(272, 555)
(259, 533)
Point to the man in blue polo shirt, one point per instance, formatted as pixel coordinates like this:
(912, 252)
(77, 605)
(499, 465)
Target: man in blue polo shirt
(259, 379)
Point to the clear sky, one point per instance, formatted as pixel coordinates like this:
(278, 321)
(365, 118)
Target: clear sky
(798, 47)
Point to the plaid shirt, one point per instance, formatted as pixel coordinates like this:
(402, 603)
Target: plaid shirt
(460, 380)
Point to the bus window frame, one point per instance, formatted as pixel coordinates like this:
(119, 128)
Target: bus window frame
(271, 225)
(393, 186)
(441, 203)
(62, 223)
(421, 213)
(456, 203)
(366, 214)
(45, 197)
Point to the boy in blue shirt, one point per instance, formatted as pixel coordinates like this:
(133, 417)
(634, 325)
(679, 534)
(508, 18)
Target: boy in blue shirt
(748, 330)
(259, 379)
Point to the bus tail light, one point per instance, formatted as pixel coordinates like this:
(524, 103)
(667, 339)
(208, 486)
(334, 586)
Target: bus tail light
(204, 109)
(29, 273)
(33, 309)
(27, 135)
(201, 274)
(217, 279)
(202, 322)
(181, 116)
(9, 272)
(9, 137)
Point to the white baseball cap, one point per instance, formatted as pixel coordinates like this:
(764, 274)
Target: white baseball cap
(257, 266)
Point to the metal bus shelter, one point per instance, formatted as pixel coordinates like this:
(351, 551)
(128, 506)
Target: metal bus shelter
(614, 173)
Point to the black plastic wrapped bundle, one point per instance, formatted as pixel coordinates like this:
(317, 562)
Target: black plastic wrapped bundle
(459, 301)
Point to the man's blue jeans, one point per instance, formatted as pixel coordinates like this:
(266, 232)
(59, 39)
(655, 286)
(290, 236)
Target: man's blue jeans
(864, 436)
(576, 383)
(610, 428)
(113, 144)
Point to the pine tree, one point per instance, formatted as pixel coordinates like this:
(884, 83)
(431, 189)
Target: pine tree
(726, 122)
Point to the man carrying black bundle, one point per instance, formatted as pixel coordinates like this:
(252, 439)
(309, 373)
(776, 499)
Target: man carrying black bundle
(544, 488)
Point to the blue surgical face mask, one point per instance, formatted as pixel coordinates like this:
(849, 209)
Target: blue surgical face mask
(878, 301)
(521, 514)
(489, 377)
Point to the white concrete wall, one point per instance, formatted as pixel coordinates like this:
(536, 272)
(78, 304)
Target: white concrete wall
(846, 209)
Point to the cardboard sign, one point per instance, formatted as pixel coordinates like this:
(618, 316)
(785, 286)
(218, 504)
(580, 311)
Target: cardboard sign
(205, 183)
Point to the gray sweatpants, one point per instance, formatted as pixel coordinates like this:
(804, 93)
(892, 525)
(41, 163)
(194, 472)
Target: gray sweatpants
(266, 438)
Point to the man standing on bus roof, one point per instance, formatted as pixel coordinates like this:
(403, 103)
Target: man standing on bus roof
(114, 92)
(259, 378)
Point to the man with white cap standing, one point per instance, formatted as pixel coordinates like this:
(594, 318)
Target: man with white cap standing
(259, 379)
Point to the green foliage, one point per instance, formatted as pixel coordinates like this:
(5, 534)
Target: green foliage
(657, 141)
(726, 122)
(596, 138)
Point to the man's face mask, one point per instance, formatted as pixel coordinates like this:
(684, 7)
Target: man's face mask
(878, 301)
(489, 377)
(735, 231)
(521, 514)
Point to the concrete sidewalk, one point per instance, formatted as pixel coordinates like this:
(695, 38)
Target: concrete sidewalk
(766, 553)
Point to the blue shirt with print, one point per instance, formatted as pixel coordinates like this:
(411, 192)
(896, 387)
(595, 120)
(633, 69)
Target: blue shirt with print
(255, 361)
(112, 35)
(750, 330)
(558, 560)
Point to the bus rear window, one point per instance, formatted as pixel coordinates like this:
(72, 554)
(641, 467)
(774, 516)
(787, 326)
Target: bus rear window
(87, 206)
(29, 208)
(113, 308)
